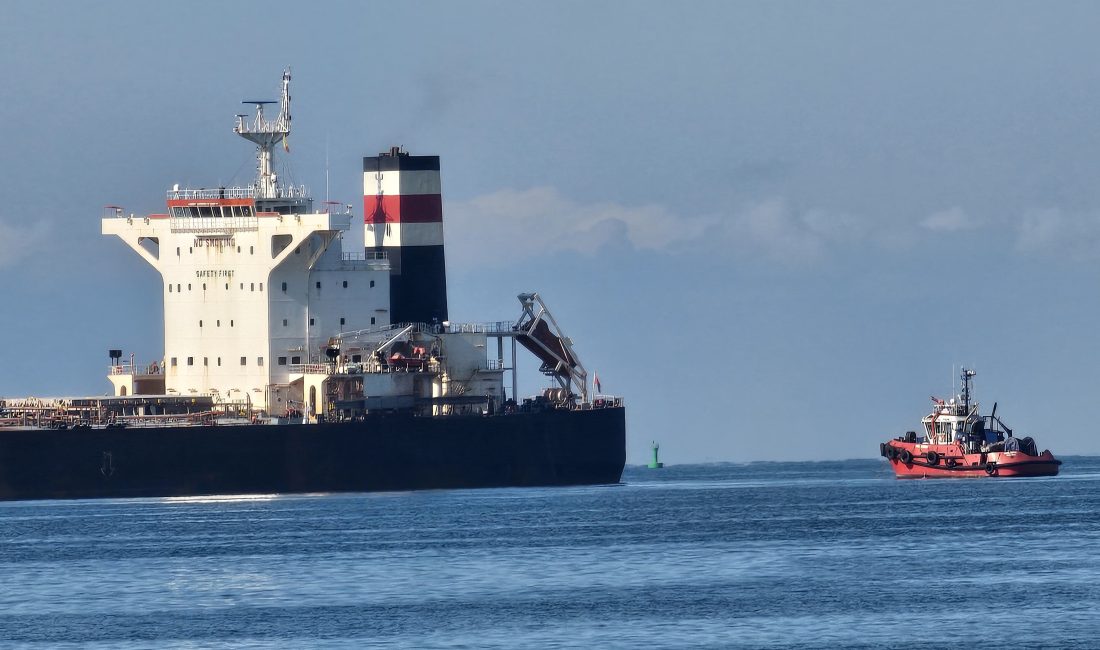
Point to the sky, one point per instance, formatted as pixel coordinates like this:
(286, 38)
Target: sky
(774, 228)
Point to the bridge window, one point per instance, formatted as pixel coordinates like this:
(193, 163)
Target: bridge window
(295, 360)
(282, 361)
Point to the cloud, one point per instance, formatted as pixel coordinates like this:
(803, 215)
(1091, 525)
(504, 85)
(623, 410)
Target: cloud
(1054, 231)
(20, 242)
(950, 220)
(511, 225)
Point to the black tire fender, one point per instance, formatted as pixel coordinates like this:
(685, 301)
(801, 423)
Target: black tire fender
(905, 456)
(933, 457)
(991, 468)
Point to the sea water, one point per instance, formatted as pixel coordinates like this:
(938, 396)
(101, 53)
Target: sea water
(832, 554)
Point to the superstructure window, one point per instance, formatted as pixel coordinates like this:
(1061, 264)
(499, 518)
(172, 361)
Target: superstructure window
(311, 321)
(318, 284)
(372, 284)
(253, 287)
(341, 321)
(174, 362)
(200, 323)
(206, 361)
(244, 361)
(231, 323)
(345, 284)
(190, 361)
(259, 361)
(188, 286)
(204, 286)
(282, 361)
(261, 286)
(219, 361)
(218, 322)
(284, 322)
(295, 360)
(284, 287)
(251, 250)
(169, 288)
(372, 320)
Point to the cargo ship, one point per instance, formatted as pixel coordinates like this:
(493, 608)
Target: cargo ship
(958, 442)
(298, 361)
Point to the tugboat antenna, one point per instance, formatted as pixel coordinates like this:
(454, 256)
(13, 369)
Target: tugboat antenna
(967, 378)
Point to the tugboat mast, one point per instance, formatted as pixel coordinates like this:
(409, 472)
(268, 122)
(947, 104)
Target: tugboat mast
(265, 134)
(967, 377)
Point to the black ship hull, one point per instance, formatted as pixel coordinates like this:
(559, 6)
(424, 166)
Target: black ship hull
(381, 453)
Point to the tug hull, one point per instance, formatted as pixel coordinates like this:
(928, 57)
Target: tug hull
(912, 460)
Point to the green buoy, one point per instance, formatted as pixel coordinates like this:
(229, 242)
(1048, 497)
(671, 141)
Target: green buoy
(655, 464)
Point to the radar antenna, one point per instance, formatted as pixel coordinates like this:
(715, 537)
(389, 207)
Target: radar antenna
(266, 134)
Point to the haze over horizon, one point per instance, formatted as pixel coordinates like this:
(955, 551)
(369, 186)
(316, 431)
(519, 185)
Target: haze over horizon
(774, 228)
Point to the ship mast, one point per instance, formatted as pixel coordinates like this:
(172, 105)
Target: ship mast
(266, 134)
(967, 377)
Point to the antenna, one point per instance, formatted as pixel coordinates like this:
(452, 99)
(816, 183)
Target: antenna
(265, 134)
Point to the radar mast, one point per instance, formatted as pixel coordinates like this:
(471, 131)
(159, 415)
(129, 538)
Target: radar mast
(266, 134)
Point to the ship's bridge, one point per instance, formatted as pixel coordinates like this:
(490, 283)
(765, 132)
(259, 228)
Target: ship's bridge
(237, 202)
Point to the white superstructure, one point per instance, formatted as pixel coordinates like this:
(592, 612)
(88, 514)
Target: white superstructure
(255, 281)
(266, 315)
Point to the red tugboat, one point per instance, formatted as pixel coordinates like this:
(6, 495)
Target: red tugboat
(958, 442)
